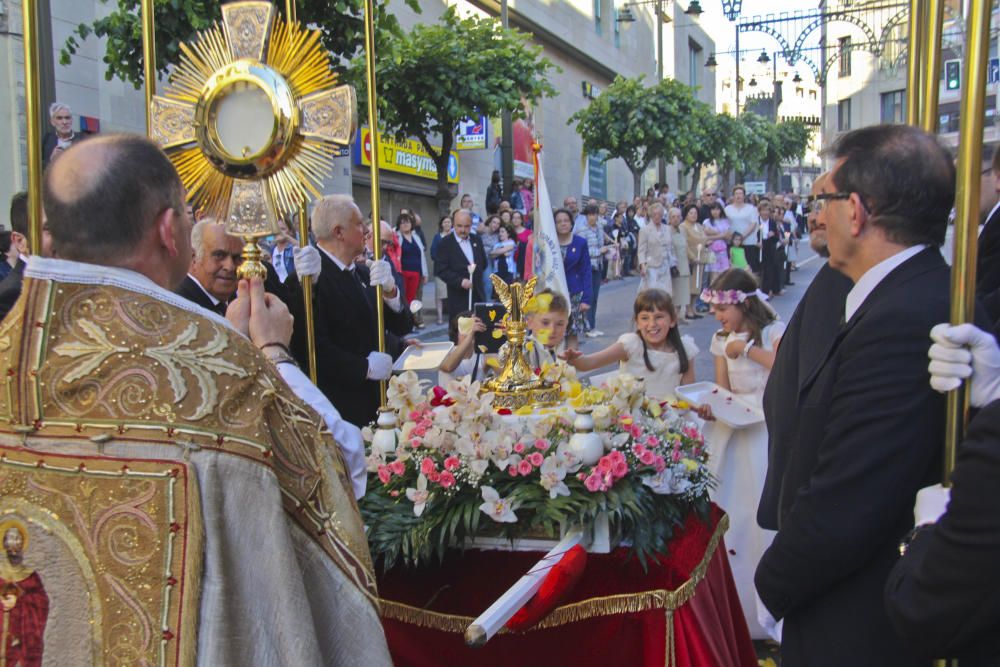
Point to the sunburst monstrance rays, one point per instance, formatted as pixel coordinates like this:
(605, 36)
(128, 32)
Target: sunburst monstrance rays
(252, 117)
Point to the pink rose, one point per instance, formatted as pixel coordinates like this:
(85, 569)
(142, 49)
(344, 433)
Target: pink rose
(593, 483)
(604, 465)
(676, 456)
(512, 470)
(524, 468)
(638, 449)
(427, 466)
(541, 444)
(536, 459)
(616, 457)
(452, 463)
(647, 458)
(433, 476)
(519, 448)
(414, 415)
(447, 480)
(419, 432)
(635, 431)
(397, 467)
(652, 441)
(659, 464)
(384, 475)
(394, 494)
(619, 469)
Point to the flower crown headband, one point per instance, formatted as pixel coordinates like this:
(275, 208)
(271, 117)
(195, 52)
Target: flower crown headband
(730, 296)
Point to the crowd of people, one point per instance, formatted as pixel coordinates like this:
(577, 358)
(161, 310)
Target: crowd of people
(819, 494)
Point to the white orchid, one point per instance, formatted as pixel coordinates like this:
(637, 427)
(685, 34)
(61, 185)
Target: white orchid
(405, 391)
(553, 472)
(497, 508)
(373, 461)
(503, 456)
(672, 481)
(601, 415)
(419, 496)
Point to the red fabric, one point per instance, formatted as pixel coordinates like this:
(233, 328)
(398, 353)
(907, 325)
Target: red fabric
(25, 620)
(558, 584)
(411, 283)
(708, 630)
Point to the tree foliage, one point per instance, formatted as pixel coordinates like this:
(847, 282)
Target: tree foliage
(341, 23)
(639, 124)
(437, 75)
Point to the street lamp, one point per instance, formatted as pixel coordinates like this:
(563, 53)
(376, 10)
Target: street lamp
(763, 58)
(797, 78)
(753, 82)
(694, 9)
(710, 62)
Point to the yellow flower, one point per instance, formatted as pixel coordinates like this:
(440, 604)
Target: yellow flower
(524, 410)
(492, 362)
(543, 335)
(626, 421)
(689, 464)
(574, 389)
(682, 405)
(655, 409)
(497, 334)
(529, 346)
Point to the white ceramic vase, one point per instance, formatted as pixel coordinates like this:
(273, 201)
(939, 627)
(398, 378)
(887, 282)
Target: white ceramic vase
(386, 436)
(585, 445)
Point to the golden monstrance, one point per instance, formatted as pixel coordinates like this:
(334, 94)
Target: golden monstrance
(251, 119)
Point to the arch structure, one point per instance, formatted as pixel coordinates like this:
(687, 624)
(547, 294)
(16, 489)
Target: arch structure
(875, 19)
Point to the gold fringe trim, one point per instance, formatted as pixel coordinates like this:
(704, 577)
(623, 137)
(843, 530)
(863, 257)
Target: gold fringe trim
(610, 605)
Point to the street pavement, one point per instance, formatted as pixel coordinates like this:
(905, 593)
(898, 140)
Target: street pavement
(614, 314)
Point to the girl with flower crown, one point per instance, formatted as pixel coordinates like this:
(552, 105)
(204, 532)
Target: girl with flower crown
(744, 353)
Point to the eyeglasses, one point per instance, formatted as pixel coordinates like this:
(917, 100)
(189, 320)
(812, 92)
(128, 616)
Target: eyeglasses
(816, 203)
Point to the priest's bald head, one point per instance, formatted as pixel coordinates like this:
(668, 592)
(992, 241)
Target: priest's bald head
(116, 200)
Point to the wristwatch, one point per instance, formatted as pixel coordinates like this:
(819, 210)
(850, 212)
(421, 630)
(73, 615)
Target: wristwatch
(278, 353)
(904, 544)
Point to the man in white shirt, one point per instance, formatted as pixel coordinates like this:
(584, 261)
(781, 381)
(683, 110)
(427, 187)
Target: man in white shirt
(870, 428)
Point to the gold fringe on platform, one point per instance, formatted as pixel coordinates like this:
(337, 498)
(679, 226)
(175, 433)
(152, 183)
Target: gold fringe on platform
(610, 605)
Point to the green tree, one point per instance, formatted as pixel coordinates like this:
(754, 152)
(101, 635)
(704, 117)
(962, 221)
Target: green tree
(706, 142)
(438, 75)
(786, 141)
(753, 143)
(638, 124)
(341, 23)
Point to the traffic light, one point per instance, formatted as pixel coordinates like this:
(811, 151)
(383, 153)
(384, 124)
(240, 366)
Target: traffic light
(953, 74)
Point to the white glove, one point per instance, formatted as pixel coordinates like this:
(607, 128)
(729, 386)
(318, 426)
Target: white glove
(951, 361)
(772, 627)
(932, 502)
(307, 262)
(381, 274)
(379, 366)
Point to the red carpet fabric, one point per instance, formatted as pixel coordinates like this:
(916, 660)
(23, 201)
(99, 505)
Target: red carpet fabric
(683, 611)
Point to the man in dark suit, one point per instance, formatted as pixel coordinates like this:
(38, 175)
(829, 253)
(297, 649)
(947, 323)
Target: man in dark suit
(870, 428)
(943, 596)
(988, 247)
(347, 357)
(10, 286)
(455, 253)
(809, 335)
(211, 282)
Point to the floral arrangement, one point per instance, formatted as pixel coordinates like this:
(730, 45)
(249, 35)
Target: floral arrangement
(460, 469)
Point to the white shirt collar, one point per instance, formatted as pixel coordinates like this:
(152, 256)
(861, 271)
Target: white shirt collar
(992, 211)
(215, 302)
(340, 265)
(65, 271)
(872, 277)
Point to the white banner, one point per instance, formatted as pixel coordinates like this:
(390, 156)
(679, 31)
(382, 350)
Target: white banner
(548, 261)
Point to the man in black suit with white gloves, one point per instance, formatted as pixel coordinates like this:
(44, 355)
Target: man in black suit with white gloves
(870, 428)
(943, 596)
(457, 252)
(349, 365)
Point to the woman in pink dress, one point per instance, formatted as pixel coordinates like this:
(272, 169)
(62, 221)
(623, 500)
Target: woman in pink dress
(717, 222)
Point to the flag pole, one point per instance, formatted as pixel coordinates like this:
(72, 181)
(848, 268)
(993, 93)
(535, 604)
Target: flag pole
(305, 281)
(373, 137)
(33, 121)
